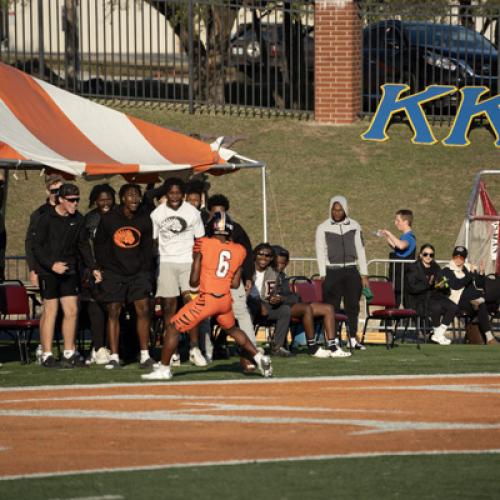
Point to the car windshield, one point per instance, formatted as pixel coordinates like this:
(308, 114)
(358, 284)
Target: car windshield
(452, 37)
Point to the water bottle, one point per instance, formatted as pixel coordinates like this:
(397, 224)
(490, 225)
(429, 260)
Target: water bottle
(38, 354)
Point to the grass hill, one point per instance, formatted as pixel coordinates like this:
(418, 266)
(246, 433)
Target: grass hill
(307, 164)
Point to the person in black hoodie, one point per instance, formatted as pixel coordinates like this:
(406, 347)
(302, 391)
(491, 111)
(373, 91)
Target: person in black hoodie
(123, 247)
(59, 242)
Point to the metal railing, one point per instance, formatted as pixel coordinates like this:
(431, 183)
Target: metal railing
(424, 43)
(223, 55)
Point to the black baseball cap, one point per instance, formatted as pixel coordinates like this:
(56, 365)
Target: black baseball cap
(460, 250)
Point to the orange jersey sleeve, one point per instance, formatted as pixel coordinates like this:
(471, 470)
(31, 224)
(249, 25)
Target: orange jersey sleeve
(219, 263)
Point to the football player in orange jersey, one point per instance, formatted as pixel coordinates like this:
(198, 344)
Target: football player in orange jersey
(216, 269)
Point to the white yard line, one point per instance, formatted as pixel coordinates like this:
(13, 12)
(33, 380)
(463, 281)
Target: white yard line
(284, 380)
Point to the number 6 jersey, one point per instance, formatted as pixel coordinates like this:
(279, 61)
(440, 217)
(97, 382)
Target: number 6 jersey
(218, 264)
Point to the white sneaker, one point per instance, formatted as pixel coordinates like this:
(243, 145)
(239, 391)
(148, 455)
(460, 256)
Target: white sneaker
(439, 338)
(101, 356)
(321, 353)
(196, 357)
(339, 353)
(264, 366)
(175, 360)
(160, 373)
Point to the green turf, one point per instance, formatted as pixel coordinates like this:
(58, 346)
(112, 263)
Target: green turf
(398, 477)
(376, 360)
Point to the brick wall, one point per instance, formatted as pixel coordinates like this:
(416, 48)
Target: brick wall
(337, 33)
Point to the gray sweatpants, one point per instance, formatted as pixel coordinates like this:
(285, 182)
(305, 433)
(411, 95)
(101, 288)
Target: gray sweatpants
(241, 313)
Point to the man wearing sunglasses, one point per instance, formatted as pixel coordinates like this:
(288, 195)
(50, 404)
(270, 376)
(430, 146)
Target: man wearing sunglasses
(60, 242)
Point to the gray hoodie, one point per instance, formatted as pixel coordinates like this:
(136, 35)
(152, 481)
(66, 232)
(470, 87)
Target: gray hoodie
(340, 244)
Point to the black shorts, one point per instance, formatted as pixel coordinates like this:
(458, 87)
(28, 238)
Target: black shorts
(54, 286)
(124, 289)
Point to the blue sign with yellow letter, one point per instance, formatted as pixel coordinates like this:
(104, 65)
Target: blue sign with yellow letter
(473, 104)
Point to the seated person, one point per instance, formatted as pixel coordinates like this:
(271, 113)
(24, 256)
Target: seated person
(308, 312)
(421, 279)
(462, 279)
(265, 300)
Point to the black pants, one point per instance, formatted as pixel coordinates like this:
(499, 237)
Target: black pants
(441, 310)
(482, 313)
(344, 283)
(98, 320)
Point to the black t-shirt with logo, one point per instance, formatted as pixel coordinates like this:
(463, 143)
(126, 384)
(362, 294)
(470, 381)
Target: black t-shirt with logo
(124, 246)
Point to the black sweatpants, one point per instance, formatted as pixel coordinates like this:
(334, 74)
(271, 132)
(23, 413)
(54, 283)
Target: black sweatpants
(441, 310)
(344, 283)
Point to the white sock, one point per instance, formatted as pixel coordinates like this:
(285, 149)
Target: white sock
(488, 335)
(353, 341)
(114, 357)
(46, 355)
(257, 357)
(68, 353)
(144, 355)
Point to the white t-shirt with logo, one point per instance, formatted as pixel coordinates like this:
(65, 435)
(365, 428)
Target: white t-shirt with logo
(176, 231)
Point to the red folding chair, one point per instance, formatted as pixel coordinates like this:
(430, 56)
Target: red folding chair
(390, 316)
(14, 301)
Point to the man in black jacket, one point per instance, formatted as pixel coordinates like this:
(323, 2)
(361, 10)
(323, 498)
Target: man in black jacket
(59, 242)
(52, 184)
(123, 246)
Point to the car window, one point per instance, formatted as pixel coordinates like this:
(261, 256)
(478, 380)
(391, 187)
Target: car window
(453, 37)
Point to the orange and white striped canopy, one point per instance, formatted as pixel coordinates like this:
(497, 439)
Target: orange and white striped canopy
(41, 124)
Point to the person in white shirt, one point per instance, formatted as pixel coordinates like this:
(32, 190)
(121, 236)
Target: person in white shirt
(176, 225)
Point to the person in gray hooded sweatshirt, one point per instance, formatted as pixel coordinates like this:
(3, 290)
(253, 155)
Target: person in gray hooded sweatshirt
(339, 252)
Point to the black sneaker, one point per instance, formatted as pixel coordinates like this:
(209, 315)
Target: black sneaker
(113, 365)
(50, 362)
(74, 361)
(147, 364)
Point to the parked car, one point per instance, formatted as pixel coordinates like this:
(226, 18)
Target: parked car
(422, 53)
(250, 50)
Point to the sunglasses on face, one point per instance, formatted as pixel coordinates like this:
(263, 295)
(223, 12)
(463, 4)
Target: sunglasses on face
(263, 254)
(427, 254)
(72, 200)
(54, 190)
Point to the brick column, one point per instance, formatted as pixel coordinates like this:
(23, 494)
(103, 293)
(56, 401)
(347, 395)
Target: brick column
(337, 33)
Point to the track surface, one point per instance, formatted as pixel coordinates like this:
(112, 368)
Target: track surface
(53, 430)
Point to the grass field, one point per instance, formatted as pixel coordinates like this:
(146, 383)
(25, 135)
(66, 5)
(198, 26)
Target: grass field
(416, 477)
(377, 360)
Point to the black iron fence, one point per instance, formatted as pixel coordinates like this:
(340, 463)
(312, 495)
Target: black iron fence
(228, 55)
(426, 43)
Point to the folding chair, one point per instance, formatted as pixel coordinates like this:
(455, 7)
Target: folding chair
(384, 296)
(14, 300)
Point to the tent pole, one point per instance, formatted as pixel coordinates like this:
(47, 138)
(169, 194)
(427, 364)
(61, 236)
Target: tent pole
(264, 202)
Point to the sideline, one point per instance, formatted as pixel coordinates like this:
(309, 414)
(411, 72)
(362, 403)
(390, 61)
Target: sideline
(251, 382)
